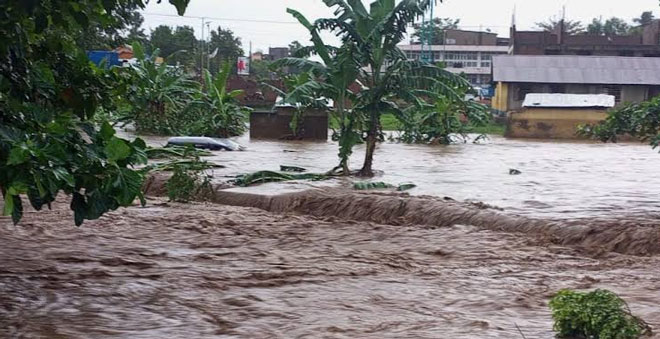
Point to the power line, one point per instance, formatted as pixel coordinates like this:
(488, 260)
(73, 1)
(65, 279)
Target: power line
(223, 19)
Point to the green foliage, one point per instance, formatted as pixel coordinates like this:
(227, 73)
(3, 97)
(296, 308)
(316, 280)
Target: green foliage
(296, 93)
(600, 314)
(261, 177)
(161, 99)
(217, 113)
(370, 60)
(612, 26)
(363, 186)
(434, 32)
(187, 184)
(446, 121)
(570, 27)
(179, 45)
(640, 120)
(156, 94)
(228, 46)
(49, 93)
(295, 169)
(175, 152)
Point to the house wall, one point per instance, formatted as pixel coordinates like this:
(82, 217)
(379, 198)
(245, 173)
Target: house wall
(275, 125)
(552, 123)
(628, 93)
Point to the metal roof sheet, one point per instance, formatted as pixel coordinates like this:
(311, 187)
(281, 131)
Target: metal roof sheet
(577, 69)
(568, 100)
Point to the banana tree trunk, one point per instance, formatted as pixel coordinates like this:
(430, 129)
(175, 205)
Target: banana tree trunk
(372, 134)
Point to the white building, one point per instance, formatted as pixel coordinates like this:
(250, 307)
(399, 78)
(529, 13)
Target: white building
(473, 60)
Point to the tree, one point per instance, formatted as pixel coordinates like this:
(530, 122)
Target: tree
(157, 94)
(369, 58)
(612, 26)
(570, 27)
(123, 27)
(303, 101)
(228, 46)
(260, 69)
(178, 46)
(644, 19)
(49, 91)
(162, 38)
(434, 32)
(616, 26)
(294, 47)
(596, 27)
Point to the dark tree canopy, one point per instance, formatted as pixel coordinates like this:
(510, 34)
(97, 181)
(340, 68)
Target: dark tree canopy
(177, 46)
(229, 48)
(434, 32)
(49, 93)
(611, 26)
(644, 19)
(570, 27)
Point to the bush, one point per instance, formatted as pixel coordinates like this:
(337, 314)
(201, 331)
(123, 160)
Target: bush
(599, 314)
(187, 184)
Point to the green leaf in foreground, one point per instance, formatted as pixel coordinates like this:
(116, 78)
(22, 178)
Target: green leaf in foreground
(599, 314)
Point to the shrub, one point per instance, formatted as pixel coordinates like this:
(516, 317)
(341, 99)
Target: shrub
(599, 314)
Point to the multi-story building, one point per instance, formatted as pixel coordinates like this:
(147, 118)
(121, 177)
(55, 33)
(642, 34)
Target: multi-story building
(645, 43)
(464, 52)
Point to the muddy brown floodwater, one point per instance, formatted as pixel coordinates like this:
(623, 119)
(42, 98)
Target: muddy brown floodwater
(207, 270)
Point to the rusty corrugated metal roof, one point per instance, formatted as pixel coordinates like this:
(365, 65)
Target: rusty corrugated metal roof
(577, 69)
(548, 100)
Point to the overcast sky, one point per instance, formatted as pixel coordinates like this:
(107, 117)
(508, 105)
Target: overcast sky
(266, 23)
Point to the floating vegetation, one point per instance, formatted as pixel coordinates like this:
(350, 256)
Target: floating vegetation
(363, 186)
(273, 176)
(294, 169)
(176, 152)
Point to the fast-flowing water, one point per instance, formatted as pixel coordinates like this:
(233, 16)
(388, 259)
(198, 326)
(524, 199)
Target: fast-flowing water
(212, 271)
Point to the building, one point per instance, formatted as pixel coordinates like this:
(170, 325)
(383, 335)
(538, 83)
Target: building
(646, 43)
(276, 53)
(557, 116)
(258, 56)
(464, 52)
(628, 79)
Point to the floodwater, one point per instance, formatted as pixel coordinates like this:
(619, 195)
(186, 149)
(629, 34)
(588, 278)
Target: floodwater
(214, 271)
(558, 180)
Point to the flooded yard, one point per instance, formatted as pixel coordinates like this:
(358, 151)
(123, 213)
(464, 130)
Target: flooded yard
(210, 270)
(558, 180)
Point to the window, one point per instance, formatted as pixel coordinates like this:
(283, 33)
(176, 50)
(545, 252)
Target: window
(613, 90)
(462, 59)
(485, 79)
(486, 59)
(473, 79)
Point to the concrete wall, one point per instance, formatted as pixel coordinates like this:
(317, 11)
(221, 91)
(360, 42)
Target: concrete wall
(515, 92)
(275, 125)
(471, 38)
(551, 123)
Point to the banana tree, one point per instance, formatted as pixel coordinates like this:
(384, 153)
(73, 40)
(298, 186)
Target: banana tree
(370, 60)
(301, 101)
(223, 116)
(157, 93)
(386, 75)
(333, 78)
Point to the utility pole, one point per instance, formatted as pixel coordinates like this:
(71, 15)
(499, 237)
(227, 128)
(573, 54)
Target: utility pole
(208, 47)
(201, 50)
